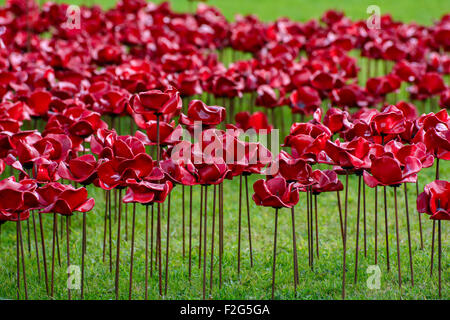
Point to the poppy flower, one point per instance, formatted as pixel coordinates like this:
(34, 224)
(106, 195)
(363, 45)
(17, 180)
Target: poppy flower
(307, 140)
(388, 171)
(409, 110)
(267, 97)
(275, 192)
(444, 100)
(146, 192)
(353, 155)
(324, 81)
(336, 120)
(381, 86)
(227, 86)
(402, 151)
(39, 102)
(82, 169)
(207, 115)
(113, 173)
(256, 121)
(55, 147)
(294, 170)
(64, 199)
(409, 71)
(431, 83)
(168, 133)
(17, 197)
(179, 172)
(325, 181)
(157, 102)
(435, 200)
(390, 121)
(45, 170)
(434, 131)
(305, 100)
(350, 96)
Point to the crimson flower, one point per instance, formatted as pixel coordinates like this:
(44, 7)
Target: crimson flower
(294, 170)
(385, 170)
(157, 102)
(207, 115)
(325, 181)
(181, 172)
(381, 86)
(267, 97)
(82, 169)
(435, 200)
(305, 100)
(64, 199)
(444, 100)
(17, 198)
(275, 192)
(147, 192)
(256, 121)
(336, 120)
(390, 121)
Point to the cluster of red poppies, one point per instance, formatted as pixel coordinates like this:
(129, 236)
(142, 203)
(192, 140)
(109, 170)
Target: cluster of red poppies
(155, 67)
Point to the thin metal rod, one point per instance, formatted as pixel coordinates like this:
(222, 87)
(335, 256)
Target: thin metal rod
(248, 222)
(345, 236)
(357, 228)
(146, 254)
(239, 227)
(118, 245)
(44, 256)
(398, 240)
(204, 242)
(294, 247)
(409, 236)
(190, 231)
(133, 222)
(317, 225)
(83, 253)
(212, 240)
(167, 247)
(274, 253)
(386, 226)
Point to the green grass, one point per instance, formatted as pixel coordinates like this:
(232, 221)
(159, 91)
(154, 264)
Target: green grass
(255, 283)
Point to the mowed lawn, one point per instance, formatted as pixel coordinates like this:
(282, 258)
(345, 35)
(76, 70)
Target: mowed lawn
(324, 282)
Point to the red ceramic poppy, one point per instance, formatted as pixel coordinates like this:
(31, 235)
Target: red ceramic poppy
(158, 102)
(388, 171)
(207, 115)
(294, 170)
(17, 197)
(350, 96)
(353, 155)
(64, 199)
(325, 181)
(390, 121)
(82, 169)
(381, 86)
(146, 192)
(336, 120)
(267, 97)
(256, 121)
(275, 192)
(305, 100)
(444, 100)
(435, 200)
(181, 172)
